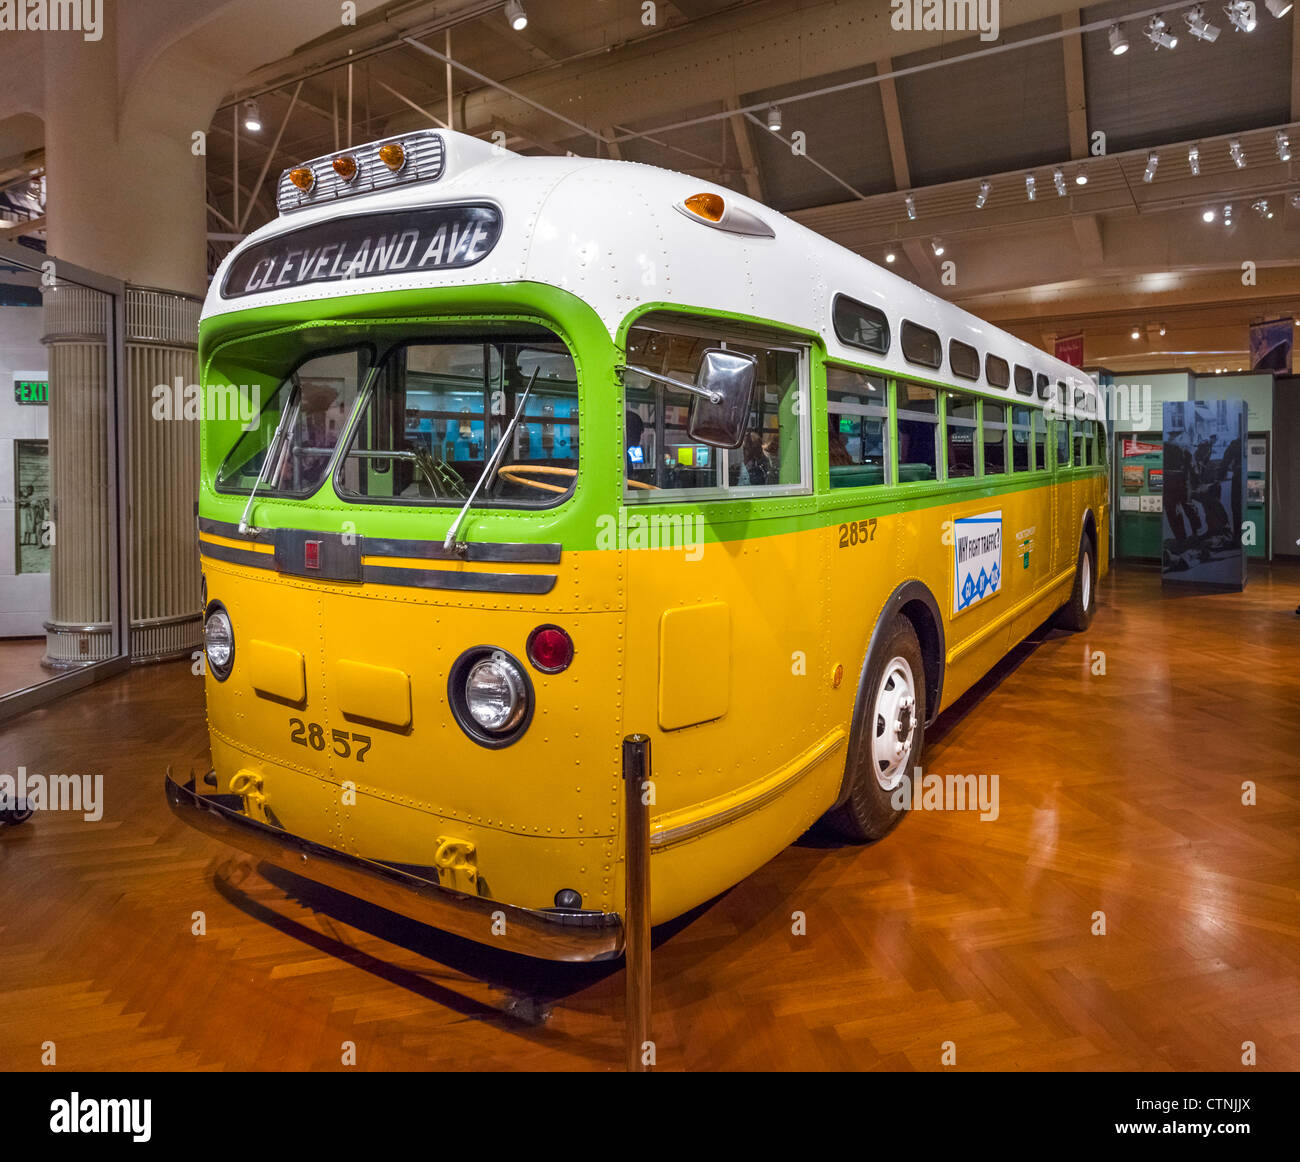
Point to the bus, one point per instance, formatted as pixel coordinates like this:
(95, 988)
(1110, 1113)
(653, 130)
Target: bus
(548, 451)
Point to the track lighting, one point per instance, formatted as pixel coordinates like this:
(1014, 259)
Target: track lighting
(1153, 160)
(1136, 334)
(1058, 180)
(1241, 15)
(910, 203)
(890, 256)
(1194, 160)
(937, 247)
(1118, 41)
(1081, 178)
(252, 116)
(1031, 187)
(1227, 215)
(774, 118)
(1295, 205)
(1207, 215)
(1279, 8)
(1283, 143)
(1162, 328)
(1197, 26)
(983, 195)
(516, 16)
(1237, 154)
(1262, 208)
(1158, 34)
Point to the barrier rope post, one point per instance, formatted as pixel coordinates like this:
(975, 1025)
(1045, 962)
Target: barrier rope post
(636, 910)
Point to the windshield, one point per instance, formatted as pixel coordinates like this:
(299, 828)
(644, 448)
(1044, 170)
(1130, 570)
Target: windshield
(418, 423)
(438, 410)
(314, 402)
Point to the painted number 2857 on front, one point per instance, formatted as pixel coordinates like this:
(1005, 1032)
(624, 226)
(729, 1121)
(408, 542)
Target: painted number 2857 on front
(312, 734)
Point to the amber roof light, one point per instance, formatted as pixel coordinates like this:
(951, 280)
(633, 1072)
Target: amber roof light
(303, 178)
(345, 167)
(392, 155)
(709, 206)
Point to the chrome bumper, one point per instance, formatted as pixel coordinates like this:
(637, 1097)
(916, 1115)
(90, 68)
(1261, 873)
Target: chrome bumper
(572, 936)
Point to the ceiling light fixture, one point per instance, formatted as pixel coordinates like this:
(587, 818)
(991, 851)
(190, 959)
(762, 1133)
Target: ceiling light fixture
(1031, 187)
(1157, 32)
(937, 247)
(983, 195)
(1118, 41)
(1227, 214)
(910, 203)
(890, 256)
(1261, 208)
(1194, 160)
(1283, 143)
(1241, 15)
(774, 118)
(1081, 178)
(1237, 154)
(1198, 27)
(516, 15)
(1207, 215)
(1136, 334)
(1153, 160)
(1279, 8)
(252, 116)
(1058, 180)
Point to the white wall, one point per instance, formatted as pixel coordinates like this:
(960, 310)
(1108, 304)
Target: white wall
(25, 597)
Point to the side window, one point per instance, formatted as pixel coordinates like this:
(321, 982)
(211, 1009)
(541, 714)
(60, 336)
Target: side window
(1102, 450)
(659, 453)
(960, 413)
(1081, 434)
(859, 325)
(921, 345)
(963, 359)
(997, 371)
(1024, 380)
(1040, 441)
(857, 428)
(994, 424)
(1062, 444)
(1022, 438)
(1043, 382)
(918, 432)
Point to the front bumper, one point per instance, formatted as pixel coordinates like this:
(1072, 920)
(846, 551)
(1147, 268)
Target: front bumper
(571, 936)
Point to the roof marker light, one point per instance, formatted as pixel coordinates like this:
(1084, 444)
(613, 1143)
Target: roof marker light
(708, 206)
(392, 155)
(303, 178)
(345, 167)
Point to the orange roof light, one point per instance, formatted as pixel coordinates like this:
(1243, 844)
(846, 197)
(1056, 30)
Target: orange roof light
(392, 155)
(303, 178)
(345, 167)
(707, 206)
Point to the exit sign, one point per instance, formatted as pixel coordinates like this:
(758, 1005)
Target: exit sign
(32, 390)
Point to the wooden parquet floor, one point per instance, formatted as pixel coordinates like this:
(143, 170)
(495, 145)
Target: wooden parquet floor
(1119, 793)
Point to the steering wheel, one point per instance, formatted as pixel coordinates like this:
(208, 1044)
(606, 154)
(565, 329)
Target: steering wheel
(519, 474)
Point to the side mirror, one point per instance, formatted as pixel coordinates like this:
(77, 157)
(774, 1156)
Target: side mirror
(724, 388)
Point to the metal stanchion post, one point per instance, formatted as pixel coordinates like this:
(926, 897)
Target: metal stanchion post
(636, 911)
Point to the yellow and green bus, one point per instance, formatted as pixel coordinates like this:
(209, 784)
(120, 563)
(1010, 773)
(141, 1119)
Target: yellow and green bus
(549, 451)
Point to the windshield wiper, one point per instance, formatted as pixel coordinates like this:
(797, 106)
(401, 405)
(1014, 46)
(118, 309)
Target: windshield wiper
(489, 470)
(272, 451)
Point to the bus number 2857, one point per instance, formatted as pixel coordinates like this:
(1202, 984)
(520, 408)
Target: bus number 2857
(312, 734)
(857, 532)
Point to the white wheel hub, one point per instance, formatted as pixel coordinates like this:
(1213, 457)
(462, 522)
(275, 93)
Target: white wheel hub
(893, 723)
(1085, 589)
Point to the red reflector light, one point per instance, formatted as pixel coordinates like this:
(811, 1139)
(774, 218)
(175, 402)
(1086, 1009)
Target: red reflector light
(550, 649)
(311, 555)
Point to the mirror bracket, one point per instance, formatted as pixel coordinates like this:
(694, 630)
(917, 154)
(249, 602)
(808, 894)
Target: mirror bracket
(711, 396)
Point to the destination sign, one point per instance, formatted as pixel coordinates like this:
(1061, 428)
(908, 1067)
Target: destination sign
(367, 246)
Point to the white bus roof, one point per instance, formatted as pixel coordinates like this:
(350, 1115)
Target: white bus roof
(611, 233)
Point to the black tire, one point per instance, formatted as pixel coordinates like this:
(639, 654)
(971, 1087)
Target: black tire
(1076, 615)
(869, 812)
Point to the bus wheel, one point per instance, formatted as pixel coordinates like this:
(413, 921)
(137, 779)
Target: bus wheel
(888, 740)
(1077, 615)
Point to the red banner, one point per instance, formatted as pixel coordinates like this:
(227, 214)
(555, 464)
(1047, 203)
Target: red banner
(1069, 349)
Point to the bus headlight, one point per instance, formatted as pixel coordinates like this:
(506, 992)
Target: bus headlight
(490, 696)
(219, 641)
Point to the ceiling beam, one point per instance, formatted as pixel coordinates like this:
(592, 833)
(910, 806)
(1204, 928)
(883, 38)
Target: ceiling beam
(894, 127)
(745, 151)
(1076, 103)
(1087, 233)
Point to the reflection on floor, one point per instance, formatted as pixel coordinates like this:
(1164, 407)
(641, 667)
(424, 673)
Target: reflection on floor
(1120, 792)
(20, 663)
